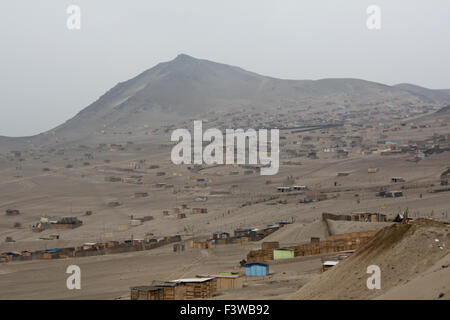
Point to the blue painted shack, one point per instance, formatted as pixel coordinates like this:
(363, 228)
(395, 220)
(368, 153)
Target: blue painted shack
(256, 269)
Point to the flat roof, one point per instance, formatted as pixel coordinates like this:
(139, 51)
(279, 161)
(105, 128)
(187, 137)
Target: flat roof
(147, 288)
(221, 275)
(347, 251)
(192, 280)
(330, 263)
(164, 284)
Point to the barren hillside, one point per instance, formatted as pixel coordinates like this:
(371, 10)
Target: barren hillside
(404, 252)
(185, 87)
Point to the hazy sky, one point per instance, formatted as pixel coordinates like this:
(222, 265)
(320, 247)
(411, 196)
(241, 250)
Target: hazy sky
(48, 73)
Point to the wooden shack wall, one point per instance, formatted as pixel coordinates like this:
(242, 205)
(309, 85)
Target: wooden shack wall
(200, 290)
(336, 243)
(225, 283)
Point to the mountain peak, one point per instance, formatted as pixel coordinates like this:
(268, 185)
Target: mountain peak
(183, 61)
(184, 57)
(186, 86)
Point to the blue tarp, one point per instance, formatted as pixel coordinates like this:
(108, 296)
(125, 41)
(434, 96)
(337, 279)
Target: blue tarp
(12, 254)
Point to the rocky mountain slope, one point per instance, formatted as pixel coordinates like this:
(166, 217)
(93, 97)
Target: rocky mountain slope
(186, 87)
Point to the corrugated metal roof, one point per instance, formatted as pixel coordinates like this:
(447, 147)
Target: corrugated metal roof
(192, 280)
(330, 263)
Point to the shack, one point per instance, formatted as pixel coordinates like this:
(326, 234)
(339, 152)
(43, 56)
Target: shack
(283, 253)
(328, 265)
(284, 189)
(199, 210)
(397, 179)
(51, 253)
(147, 293)
(171, 290)
(112, 244)
(226, 281)
(256, 269)
(444, 177)
(243, 232)
(140, 194)
(220, 235)
(393, 194)
(230, 272)
(198, 288)
(113, 204)
(178, 247)
(135, 222)
(63, 223)
(368, 217)
(199, 244)
(12, 212)
(89, 245)
(343, 174)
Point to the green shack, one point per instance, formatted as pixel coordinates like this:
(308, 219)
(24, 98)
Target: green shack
(283, 254)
